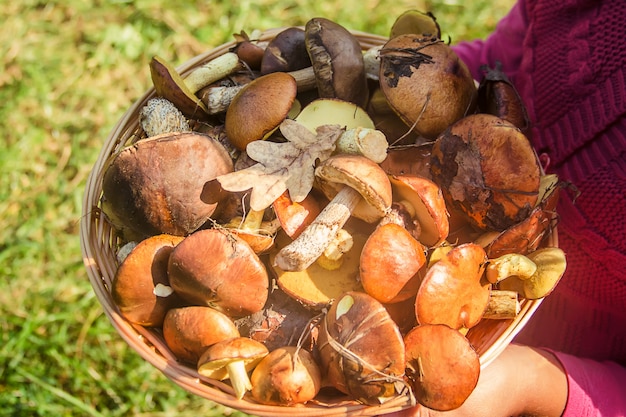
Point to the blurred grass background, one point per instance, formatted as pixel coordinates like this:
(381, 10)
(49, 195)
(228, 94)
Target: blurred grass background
(68, 71)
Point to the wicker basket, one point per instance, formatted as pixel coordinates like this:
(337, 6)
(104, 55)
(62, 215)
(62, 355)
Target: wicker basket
(99, 245)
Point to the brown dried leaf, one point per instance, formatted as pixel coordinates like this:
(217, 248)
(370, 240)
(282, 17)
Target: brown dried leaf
(283, 166)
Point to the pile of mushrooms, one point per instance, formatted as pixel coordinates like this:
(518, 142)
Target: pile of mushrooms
(303, 216)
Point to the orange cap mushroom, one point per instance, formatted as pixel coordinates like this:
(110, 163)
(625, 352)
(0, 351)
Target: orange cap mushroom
(452, 291)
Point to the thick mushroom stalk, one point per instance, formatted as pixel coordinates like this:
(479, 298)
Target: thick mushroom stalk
(362, 188)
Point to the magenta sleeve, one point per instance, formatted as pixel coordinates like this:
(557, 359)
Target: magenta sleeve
(505, 44)
(595, 389)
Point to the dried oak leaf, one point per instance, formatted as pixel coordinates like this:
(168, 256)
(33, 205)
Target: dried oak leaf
(283, 166)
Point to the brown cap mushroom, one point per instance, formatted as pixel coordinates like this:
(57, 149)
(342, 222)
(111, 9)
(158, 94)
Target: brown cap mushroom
(164, 184)
(361, 349)
(189, 331)
(216, 268)
(452, 292)
(442, 366)
(390, 264)
(337, 60)
(232, 359)
(487, 168)
(140, 287)
(259, 108)
(286, 52)
(169, 84)
(425, 82)
(286, 376)
(425, 200)
(358, 187)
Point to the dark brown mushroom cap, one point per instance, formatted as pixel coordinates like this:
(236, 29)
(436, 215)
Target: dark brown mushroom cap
(442, 365)
(140, 287)
(452, 291)
(286, 52)
(216, 268)
(164, 184)
(189, 331)
(337, 61)
(259, 107)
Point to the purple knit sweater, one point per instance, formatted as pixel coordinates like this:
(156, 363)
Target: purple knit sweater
(567, 58)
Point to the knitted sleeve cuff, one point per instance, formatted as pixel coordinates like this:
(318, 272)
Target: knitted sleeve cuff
(595, 389)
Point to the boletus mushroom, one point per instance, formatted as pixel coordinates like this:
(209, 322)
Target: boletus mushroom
(452, 291)
(215, 268)
(232, 359)
(287, 376)
(355, 186)
(337, 61)
(259, 107)
(140, 287)
(361, 349)
(189, 331)
(425, 82)
(487, 169)
(391, 263)
(442, 366)
(164, 184)
(181, 91)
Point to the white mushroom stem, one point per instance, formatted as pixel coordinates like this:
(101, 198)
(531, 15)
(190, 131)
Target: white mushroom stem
(239, 379)
(311, 243)
(212, 71)
(502, 305)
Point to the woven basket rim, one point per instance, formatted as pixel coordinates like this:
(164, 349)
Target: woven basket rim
(98, 242)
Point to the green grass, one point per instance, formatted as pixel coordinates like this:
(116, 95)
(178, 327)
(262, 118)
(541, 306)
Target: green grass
(68, 71)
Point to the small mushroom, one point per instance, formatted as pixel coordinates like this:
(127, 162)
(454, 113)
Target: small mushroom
(337, 61)
(140, 287)
(286, 52)
(415, 22)
(215, 268)
(232, 359)
(551, 264)
(293, 216)
(189, 331)
(287, 376)
(391, 264)
(259, 108)
(442, 366)
(508, 265)
(356, 186)
(169, 84)
(452, 292)
(425, 199)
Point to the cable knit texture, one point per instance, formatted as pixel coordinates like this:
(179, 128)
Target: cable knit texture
(567, 59)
